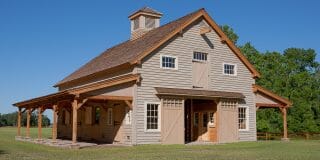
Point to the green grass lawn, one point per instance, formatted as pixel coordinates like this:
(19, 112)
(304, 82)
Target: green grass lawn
(298, 149)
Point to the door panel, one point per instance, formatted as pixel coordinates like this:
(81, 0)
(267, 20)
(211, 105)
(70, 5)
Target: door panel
(200, 74)
(172, 131)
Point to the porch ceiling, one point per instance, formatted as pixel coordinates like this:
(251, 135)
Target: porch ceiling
(198, 93)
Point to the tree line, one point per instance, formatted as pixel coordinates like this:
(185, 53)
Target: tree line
(10, 119)
(293, 74)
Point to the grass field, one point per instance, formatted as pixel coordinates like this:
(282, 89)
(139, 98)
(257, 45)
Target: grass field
(298, 149)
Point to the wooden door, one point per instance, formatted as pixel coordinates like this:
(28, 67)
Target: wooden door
(203, 127)
(172, 124)
(200, 74)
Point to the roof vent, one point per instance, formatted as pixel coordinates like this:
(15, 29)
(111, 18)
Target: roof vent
(144, 20)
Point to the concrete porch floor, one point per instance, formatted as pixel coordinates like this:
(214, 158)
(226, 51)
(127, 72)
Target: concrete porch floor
(63, 143)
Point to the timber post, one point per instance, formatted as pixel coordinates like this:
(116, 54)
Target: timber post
(285, 126)
(40, 123)
(54, 126)
(74, 121)
(28, 123)
(19, 123)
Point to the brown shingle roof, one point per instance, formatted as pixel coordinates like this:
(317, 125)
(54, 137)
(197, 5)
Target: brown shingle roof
(147, 10)
(198, 93)
(127, 51)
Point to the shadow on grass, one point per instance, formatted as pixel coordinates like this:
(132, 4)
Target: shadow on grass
(3, 152)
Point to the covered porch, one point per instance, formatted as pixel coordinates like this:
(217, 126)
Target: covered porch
(268, 99)
(71, 106)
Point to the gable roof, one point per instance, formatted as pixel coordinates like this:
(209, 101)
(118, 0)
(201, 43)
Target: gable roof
(131, 52)
(145, 10)
(258, 89)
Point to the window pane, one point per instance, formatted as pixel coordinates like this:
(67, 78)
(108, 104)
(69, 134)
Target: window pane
(152, 116)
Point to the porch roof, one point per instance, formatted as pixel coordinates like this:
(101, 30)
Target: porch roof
(81, 92)
(266, 98)
(198, 93)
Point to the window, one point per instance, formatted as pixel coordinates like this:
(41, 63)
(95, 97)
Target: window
(229, 69)
(211, 119)
(172, 103)
(243, 118)
(97, 115)
(150, 22)
(196, 119)
(136, 23)
(199, 56)
(110, 116)
(128, 115)
(205, 120)
(152, 117)
(168, 62)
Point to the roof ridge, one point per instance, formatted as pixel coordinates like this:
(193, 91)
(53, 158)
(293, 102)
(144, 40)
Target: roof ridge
(130, 47)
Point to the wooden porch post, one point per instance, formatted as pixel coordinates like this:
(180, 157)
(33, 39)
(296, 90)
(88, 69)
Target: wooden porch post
(19, 123)
(74, 121)
(76, 104)
(39, 123)
(54, 126)
(28, 123)
(285, 127)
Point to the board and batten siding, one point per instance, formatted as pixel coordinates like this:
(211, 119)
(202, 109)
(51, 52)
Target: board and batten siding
(183, 48)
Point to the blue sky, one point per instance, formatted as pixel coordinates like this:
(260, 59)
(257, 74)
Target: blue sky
(41, 42)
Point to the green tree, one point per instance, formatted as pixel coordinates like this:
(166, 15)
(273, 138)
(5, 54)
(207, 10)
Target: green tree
(230, 33)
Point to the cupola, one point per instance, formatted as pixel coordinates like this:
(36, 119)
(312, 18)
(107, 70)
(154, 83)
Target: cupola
(144, 20)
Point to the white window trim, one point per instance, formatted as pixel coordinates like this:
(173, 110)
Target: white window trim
(235, 69)
(176, 62)
(145, 117)
(110, 122)
(201, 61)
(247, 118)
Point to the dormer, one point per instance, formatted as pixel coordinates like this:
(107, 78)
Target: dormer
(144, 20)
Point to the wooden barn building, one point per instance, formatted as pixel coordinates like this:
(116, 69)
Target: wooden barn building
(181, 82)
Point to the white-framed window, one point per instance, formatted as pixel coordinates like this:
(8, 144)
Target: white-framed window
(136, 23)
(200, 56)
(211, 119)
(152, 117)
(243, 118)
(110, 116)
(168, 62)
(128, 116)
(229, 69)
(150, 22)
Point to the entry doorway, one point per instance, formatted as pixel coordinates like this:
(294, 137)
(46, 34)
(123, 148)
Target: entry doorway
(200, 120)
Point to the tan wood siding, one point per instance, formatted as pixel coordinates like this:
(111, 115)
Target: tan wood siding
(183, 47)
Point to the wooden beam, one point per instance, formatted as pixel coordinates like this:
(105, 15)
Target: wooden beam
(129, 104)
(81, 103)
(19, 123)
(285, 126)
(204, 30)
(74, 121)
(28, 123)
(105, 98)
(40, 123)
(268, 105)
(54, 126)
